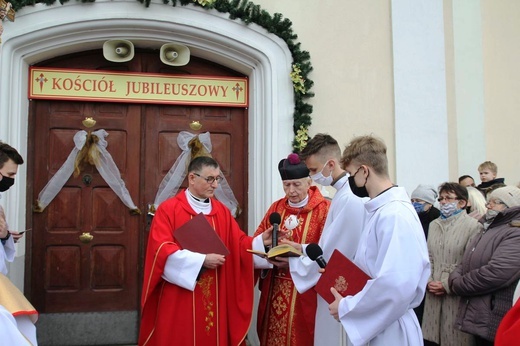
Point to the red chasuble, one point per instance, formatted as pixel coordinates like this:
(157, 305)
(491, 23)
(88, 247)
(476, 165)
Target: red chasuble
(508, 333)
(286, 317)
(219, 310)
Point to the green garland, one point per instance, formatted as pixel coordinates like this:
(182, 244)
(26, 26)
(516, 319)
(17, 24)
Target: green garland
(248, 13)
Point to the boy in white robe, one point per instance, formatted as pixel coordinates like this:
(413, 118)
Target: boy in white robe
(392, 250)
(341, 231)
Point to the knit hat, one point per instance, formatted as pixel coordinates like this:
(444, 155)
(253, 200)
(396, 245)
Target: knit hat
(510, 195)
(292, 168)
(425, 193)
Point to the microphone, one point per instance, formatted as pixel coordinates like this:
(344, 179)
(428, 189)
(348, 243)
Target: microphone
(315, 253)
(275, 220)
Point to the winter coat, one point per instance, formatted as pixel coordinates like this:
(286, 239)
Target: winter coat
(447, 240)
(488, 275)
(426, 218)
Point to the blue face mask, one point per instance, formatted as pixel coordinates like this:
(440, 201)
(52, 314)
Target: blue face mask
(419, 207)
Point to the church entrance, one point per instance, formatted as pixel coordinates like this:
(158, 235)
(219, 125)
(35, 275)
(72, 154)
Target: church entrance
(85, 253)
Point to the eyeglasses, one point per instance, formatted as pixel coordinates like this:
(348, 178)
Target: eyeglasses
(209, 180)
(447, 199)
(494, 202)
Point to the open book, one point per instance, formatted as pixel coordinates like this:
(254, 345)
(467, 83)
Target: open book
(283, 250)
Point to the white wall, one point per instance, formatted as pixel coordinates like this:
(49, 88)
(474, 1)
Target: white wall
(421, 130)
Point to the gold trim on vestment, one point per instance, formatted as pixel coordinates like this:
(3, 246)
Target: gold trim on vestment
(305, 230)
(153, 266)
(148, 289)
(285, 294)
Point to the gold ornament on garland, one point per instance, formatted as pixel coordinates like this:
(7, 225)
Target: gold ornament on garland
(301, 138)
(298, 81)
(204, 3)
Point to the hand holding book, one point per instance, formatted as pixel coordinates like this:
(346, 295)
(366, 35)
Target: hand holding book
(282, 250)
(198, 235)
(342, 274)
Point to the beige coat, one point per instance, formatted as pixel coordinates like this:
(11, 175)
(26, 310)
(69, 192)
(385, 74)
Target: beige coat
(447, 240)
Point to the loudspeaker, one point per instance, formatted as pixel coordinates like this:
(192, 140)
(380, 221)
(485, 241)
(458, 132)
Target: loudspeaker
(174, 54)
(118, 50)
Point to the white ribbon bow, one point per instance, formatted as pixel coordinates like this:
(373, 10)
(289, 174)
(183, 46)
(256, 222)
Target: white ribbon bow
(175, 176)
(106, 168)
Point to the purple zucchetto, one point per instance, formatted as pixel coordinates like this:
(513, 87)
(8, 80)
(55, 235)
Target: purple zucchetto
(292, 168)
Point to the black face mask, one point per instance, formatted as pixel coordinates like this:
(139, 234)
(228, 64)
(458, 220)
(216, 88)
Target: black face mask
(6, 183)
(358, 191)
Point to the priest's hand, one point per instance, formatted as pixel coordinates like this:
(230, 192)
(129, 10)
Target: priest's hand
(213, 261)
(333, 308)
(280, 262)
(295, 245)
(267, 236)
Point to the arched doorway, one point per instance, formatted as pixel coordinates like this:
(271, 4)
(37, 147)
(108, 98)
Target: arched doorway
(102, 278)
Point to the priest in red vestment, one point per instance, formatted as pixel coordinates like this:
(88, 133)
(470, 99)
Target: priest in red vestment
(191, 298)
(286, 317)
(508, 333)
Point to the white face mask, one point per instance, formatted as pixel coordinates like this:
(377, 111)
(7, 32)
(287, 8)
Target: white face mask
(491, 214)
(319, 178)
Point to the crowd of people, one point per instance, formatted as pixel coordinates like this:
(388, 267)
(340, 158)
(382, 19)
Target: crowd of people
(443, 261)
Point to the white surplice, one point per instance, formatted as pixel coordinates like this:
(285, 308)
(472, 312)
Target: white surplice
(342, 231)
(7, 250)
(7, 253)
(393, 251)
(9, 330)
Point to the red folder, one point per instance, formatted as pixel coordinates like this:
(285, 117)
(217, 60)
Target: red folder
(197, 235)
(342, 274)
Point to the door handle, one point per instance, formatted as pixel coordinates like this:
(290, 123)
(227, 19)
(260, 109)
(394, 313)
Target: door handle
(86, 237)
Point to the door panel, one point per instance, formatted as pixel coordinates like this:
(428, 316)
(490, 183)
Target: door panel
(226, 127)
(99, 275)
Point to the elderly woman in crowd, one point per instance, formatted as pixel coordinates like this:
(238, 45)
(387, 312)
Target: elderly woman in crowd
(448, 237)
(490, 268)
(423, 198)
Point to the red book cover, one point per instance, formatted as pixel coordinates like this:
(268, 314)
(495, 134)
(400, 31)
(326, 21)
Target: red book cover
(197, 235)
(342, 274)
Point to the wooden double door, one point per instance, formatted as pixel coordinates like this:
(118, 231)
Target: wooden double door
(64, 271)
